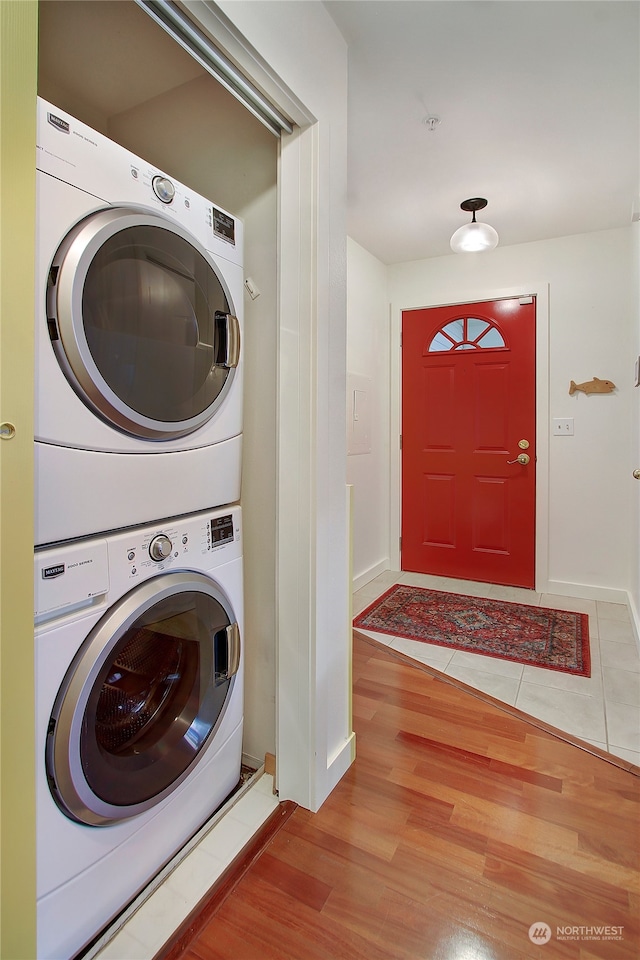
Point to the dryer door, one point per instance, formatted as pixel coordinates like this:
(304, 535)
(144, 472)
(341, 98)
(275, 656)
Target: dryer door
(142, 698)
(141, 322)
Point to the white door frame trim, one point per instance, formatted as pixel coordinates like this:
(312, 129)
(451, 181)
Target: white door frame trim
(540, 290)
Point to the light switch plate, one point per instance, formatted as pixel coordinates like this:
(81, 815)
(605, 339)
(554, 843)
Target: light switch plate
(563, 428)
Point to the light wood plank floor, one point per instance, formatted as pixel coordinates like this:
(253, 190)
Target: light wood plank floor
(459, 826)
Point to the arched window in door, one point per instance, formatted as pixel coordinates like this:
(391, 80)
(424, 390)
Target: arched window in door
(467, 333)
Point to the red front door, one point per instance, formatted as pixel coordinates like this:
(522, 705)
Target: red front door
(468, 407)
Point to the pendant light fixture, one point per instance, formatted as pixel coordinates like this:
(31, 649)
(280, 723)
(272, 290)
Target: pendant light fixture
(474, 237)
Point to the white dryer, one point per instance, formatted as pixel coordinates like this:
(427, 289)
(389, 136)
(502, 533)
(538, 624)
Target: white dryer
(139, 711)
(139, 299)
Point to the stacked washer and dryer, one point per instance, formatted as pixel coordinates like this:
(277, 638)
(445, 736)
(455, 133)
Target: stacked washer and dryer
(138, 553)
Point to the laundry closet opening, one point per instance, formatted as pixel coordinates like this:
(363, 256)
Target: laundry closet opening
(111, 66)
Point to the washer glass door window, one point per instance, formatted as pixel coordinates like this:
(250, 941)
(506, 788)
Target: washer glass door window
(142, 698)
(141, 323)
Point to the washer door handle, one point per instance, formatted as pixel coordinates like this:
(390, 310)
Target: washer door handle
(232, 658)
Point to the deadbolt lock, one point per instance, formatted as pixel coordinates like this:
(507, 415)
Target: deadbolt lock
(523, 444)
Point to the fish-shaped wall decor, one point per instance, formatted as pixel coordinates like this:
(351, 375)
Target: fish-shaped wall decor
(592, 386)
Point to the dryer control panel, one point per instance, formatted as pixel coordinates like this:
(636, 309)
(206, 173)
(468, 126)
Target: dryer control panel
(74, 153)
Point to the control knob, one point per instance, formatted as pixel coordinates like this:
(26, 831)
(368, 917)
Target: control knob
(160, 548)
(163, 189)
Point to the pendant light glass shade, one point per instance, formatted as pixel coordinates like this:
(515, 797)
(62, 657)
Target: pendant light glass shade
(474, 237)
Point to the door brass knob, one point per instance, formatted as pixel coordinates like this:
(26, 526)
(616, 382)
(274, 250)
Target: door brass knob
(636, 474)
(522, 458)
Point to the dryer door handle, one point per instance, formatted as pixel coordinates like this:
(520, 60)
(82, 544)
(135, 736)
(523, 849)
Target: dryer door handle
(228, 330)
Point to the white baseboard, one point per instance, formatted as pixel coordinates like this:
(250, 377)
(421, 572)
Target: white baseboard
(585, 591)
(589, 592)
(364, 578)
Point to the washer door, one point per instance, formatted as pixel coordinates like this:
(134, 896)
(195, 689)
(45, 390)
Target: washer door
(141, 323)
(142, 698)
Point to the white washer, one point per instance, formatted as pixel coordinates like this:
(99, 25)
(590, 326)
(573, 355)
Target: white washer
(139, 299)
(139, 711)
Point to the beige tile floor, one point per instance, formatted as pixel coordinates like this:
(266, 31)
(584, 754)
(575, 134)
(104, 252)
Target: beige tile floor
(603, 709)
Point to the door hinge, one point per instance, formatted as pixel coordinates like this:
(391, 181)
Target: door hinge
(401, 441)
(400, 543)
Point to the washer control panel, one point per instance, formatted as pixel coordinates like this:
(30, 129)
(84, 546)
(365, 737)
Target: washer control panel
(71, 578)
(187, 542)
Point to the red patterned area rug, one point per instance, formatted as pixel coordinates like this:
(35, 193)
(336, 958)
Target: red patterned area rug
(536, 636)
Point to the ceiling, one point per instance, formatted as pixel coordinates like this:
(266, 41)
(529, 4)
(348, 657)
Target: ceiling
(539, 109)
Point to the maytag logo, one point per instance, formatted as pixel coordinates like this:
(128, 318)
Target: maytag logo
(58, 123)
(48, 573)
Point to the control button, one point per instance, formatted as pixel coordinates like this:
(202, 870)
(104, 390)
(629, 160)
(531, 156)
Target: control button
(163, 189)
(134, 173)
(185, 539)
(160, 548)
(133, 570)
(131, 555)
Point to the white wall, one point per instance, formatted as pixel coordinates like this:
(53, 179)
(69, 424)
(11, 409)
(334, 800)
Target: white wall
(368, 357)
(593, 319)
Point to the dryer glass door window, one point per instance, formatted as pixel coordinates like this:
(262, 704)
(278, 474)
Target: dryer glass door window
(138, 706)
(143, 326)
